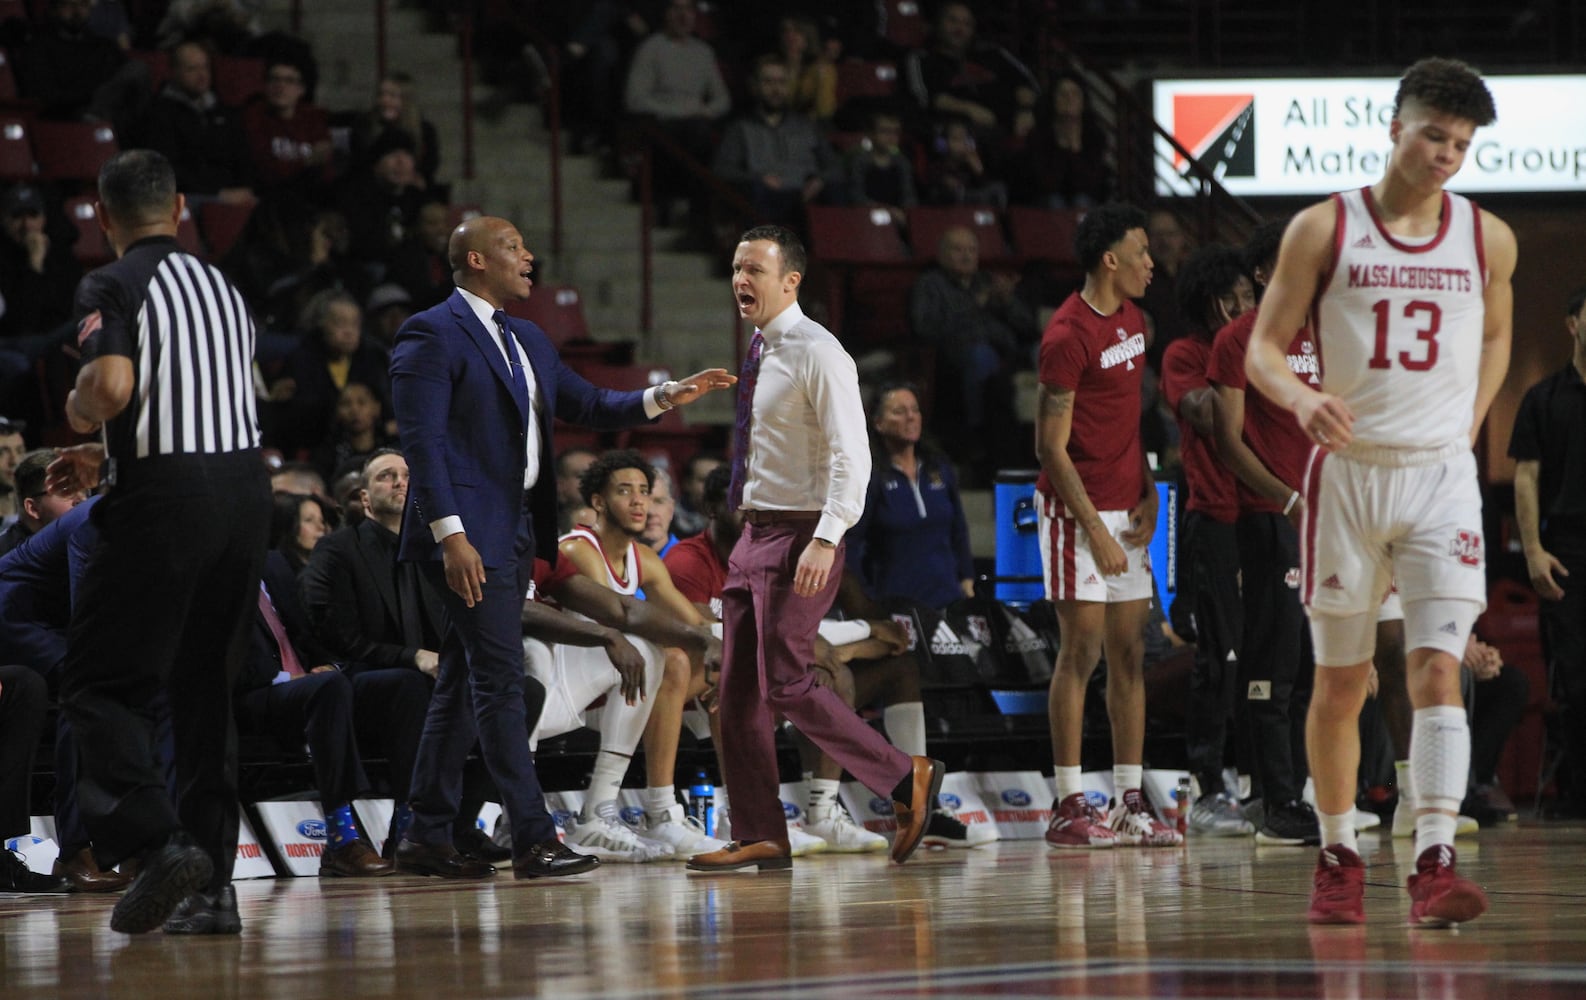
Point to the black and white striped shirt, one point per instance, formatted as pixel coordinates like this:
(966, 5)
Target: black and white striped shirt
(190, 338)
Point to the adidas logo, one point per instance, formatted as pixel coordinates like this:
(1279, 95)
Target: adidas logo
(945, 642)
(1332, 583)
(1091, 580)
(1452, 628)
(1364, 243)
(1259, 691)
(1232, 657)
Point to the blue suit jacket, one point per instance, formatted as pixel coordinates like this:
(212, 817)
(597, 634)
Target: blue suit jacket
(37, 581)
(463, 429)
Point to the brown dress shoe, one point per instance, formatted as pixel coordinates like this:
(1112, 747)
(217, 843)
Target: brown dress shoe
(912, 821)
(764, 855)
(439, 859)
(354, 859)
(84, 874)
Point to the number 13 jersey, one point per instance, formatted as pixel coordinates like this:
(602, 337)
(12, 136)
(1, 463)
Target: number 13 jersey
(1399, 323)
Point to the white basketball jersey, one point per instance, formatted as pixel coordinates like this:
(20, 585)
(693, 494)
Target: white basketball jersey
(629, 586)
(1399, 325)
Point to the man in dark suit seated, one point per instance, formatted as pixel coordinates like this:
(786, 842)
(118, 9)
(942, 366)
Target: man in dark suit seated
(373, 614)
(292, 691)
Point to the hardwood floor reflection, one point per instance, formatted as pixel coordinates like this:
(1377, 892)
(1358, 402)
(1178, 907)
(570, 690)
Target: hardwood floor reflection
(1217, 919)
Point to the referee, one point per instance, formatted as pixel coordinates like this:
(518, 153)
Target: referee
(160, 617)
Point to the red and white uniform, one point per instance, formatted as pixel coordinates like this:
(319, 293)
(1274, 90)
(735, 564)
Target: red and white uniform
(623, 585)
(1400, 327)
(1269, 430)
(1102, 360)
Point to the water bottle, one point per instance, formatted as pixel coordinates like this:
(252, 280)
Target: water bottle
(1181, 796)
(702, 802)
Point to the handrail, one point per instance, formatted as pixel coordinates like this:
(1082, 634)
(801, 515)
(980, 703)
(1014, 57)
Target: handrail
(465, 39)
(380, 31)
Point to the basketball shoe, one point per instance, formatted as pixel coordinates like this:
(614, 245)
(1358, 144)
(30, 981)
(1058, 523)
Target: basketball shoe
(1136, 826)
(1077, 823)
(1439, 897)
(943, 829)
(1338, 889)
(608, 838)
(842, 834)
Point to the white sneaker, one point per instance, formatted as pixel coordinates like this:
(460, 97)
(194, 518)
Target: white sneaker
(800, 844)
(1365, 820)
(683, 834)
(606, 837)
(842, 835)
(1404, 823)
(1132, 821)
(943, 829)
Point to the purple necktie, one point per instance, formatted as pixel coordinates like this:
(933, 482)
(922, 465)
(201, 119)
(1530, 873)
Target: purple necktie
(747, 376)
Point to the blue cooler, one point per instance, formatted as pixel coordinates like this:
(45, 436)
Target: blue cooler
(1018, 538)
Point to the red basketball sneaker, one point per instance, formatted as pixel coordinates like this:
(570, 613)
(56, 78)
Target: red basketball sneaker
(1077, 823)
(1338, 889)
(1439, 897)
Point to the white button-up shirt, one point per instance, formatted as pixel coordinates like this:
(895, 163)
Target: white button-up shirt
(808, 448)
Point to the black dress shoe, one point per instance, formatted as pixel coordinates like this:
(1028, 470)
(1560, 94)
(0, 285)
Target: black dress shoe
(551, 859)
(439, 859)
(206, 913)
(16, 876)
(472, 843)
(169, 875)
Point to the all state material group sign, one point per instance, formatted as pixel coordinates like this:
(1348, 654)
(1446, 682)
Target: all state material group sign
(1314, 136)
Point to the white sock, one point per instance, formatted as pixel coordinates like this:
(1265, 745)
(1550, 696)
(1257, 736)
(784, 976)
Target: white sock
(1067, 781)
(906, 727)
(1440, 765)
(605, 782)
(1126, 777)
(823, 796)
(1339, 830)
(659, 800)
(1405, 783)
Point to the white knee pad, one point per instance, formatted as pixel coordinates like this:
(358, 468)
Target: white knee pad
(1441, 623)
(1343, 640)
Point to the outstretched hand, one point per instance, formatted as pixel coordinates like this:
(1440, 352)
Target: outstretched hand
(75, 470)
(689, 389)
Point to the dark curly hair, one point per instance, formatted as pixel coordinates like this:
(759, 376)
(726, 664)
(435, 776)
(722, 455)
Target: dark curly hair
(1449, 86)
(1102, 228)
(1205, 277)
(1261, 248)
(598, 474)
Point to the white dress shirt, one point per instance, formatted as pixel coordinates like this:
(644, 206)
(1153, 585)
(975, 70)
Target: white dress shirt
(450, 525)
(808, 448)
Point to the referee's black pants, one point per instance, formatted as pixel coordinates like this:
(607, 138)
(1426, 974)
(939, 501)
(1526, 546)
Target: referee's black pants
(1276, 668)
(164, 605)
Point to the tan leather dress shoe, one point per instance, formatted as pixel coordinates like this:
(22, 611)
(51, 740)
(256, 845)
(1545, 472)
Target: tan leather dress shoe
(764, 855)
(354, 859)
(85, 875)
(912, 821)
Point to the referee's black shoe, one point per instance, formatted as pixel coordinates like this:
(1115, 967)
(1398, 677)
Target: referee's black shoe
(206, 913)
(169, 875)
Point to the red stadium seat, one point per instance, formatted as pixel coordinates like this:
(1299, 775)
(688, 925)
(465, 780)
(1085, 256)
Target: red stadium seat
(91, 248)
(8, 80)
(905, 24)
(865, 79)
(13, 8)
(855, 234)
(608, 376)
(72, 151)
(16, 150)
(237, 78)
(557, 309)
(669, 436)
(927, 223)
(1044, 234)
(222, 224)
(158, 62)
(187, 234)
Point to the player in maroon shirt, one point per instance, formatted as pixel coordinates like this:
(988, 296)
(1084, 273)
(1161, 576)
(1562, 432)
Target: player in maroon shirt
(1098, 509)
(1267, 451)
(1213, 289)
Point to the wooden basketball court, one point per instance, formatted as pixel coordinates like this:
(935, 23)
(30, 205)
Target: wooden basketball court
(1219, 918)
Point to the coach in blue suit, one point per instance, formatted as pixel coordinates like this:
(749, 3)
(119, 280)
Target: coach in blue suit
(475, 393)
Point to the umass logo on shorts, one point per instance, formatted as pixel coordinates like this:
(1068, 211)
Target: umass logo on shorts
(1466, 547)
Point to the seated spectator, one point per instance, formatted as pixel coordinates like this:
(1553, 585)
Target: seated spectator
(570, 467)
(657, 533)
(674, 80)
(879, 174)
(38, 277)
(981, 331)
(689, 517)
(1066, 161)
(357, 431)
(388, 307)
(913, 540)
(12, 448)
(332, 354)
(955, 173)
(420, 265)
(300, 520)
(962, 77)
(298, 477)
(224, 24)
(36, 506)
(775, 156)
(601, 37)
(202, 138)
(288, 138)
(77, 75)
(319, 259)
(396, 108)
(812, 76)
(380, 197)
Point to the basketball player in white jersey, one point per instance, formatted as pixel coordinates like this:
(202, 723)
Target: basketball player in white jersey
(617, 487)
(1407, 287)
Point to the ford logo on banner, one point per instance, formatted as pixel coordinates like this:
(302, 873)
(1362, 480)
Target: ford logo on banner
(881, 806)
(313, 829)
(1016, 797)
(633, 816)
(951, 801)
(791, 811)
